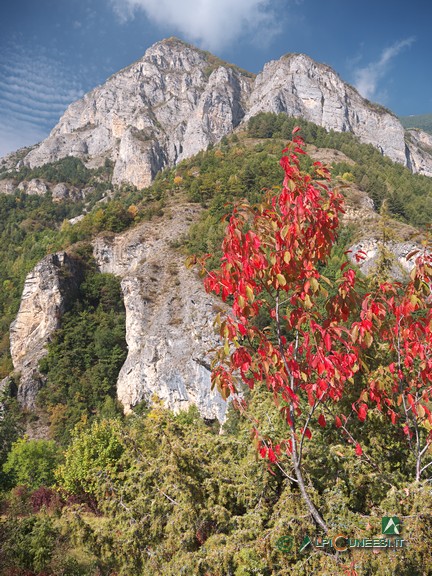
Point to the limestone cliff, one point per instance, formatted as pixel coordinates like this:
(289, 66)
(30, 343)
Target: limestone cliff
(169, 105)
(400, 250)
(48, 290)
(176, 100)
(39, 187)
(299, 86)
(419, 151)
(8, 186)
(169, 317)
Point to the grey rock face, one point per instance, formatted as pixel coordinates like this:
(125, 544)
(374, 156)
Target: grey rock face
(5, 386)
(35, 187)
(75, 220)
(169, 318)
(138, 160)
(400, 251)
(64, 191)
(48, 289)
(177, 100)
(7, 186)
(60, 192)
(419, 151)
(39, 187)
(298, 86)
(160, 109)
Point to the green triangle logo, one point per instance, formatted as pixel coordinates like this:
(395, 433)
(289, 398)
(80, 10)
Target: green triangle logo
(390, 525)
(305, 543)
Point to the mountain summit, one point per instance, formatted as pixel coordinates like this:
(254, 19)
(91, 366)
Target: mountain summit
(177, 99)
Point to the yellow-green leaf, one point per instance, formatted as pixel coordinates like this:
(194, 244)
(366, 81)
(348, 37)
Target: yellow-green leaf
(281, 279)
(250, 294)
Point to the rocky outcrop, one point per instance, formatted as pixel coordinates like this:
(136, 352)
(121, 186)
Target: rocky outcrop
(419, 151)
(8, 186)
(62, 191)
(40, 187)
(299, 86)
(75, 220)
(34, 187)
(48, 290)
(139, 159)
(399, 251)
(176, 100)
(169, 318)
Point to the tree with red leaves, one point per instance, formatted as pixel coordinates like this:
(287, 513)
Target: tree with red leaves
(314, 343)
(272, 256)
(398, 318)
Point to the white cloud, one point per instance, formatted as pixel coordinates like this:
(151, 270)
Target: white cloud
(34, 91)
(212, 24)
(367, 79)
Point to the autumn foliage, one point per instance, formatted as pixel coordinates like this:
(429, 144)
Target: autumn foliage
(304, 337)
(399, 319)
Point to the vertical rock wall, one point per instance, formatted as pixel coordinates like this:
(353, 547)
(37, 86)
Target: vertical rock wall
(48, 290)
(169, 318)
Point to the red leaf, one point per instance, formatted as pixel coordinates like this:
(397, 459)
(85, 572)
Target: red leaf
(358, 450)
(338, 422)
(410, 400)
(362, 412)
(242, 330)
(321, 420)
(271, 455)
(360, 255)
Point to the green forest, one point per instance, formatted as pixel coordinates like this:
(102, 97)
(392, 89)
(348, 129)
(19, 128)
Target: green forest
(154, 492)
(420, 121)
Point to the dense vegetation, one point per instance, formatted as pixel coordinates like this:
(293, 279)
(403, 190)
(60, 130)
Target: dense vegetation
(85, 356)
(157, 493)
(169, 495)
(28, 231)
(407, 194)
(422, 121)
(243, 167)
(69, 169)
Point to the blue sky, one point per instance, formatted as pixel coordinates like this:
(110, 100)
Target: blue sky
(53, 51)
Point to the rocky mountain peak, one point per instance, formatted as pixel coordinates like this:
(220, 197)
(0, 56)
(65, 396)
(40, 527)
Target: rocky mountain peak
(298, 86)
(168, 105)
(173, 53)
(178, 99)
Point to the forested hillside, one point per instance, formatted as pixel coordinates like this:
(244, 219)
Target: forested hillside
(158, 493)
(421, 121)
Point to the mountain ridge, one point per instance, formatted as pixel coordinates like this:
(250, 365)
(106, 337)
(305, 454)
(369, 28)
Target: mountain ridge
(178, 99)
